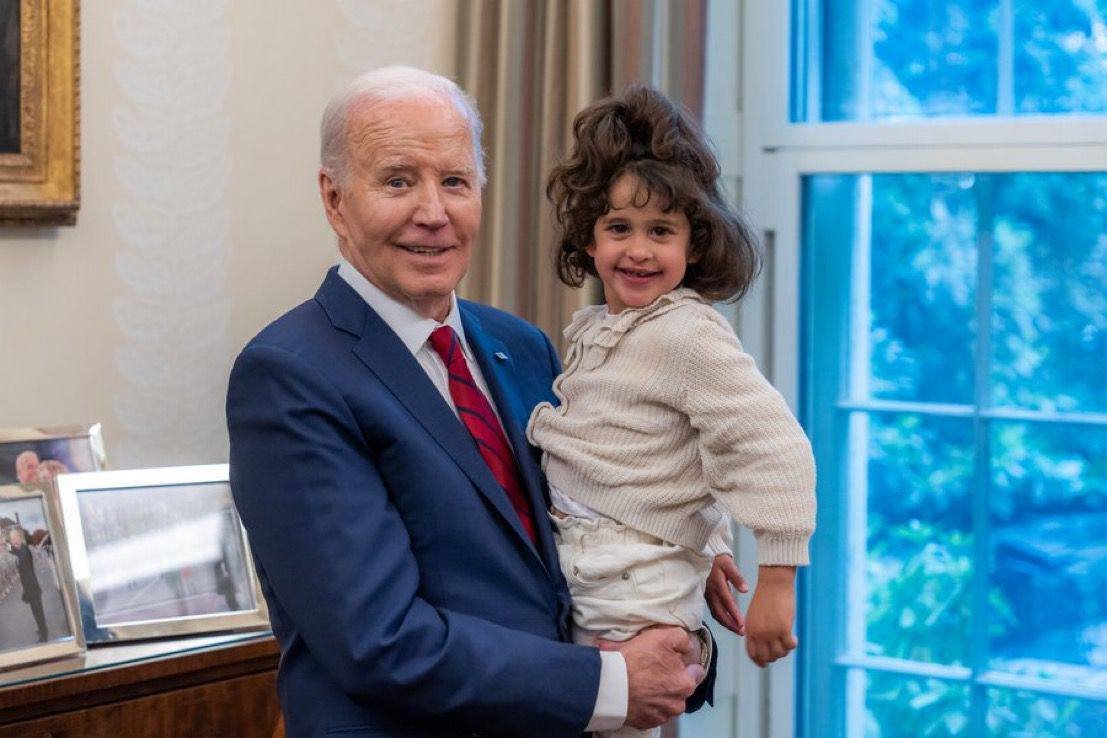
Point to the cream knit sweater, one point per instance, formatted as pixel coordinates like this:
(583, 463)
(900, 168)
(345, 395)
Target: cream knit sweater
(661, 415)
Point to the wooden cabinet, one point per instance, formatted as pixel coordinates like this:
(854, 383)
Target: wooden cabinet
(214, 686)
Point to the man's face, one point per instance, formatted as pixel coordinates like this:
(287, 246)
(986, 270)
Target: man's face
(26, 467)
(16, 538)
(409, 209)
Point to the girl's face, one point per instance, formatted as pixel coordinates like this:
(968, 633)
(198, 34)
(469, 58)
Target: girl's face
(640, 252)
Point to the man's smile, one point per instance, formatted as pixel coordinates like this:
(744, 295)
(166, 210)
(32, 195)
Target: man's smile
(424, 250)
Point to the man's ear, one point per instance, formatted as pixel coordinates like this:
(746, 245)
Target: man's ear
(331, 194)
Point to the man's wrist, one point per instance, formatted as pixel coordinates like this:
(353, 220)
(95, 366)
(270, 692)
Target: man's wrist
(613, 694)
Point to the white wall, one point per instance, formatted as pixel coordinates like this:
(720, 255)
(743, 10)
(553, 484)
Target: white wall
(199, 220)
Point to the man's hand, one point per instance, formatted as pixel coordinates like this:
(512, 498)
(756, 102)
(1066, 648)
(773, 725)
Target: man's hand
(720, 597)
(771, 615)
(658, 678)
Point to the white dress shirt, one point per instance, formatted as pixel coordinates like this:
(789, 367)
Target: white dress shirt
(414, 331)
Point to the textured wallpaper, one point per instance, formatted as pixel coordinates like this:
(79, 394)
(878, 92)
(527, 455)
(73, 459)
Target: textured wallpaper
(173, 222)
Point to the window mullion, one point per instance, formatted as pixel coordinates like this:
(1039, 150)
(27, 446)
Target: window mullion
(949, 410)
(867, 58)
(857, 477)
(984, 189)
(1005, 59)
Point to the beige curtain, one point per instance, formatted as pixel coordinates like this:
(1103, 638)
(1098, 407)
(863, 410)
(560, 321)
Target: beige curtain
(660, 43)
(532, 65)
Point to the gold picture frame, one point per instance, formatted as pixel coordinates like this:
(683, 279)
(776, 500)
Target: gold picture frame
(40, 130)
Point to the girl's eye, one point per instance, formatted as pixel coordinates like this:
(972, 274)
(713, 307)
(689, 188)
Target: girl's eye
(662, 231)
(617, 227)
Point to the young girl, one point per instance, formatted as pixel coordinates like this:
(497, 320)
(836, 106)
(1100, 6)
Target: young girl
(665, 428)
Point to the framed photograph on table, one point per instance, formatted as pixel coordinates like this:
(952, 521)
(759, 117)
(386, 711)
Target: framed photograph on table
(159, 552)
(38, 455)
(39, 618)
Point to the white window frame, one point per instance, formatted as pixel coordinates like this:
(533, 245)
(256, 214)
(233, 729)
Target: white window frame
(774, 156)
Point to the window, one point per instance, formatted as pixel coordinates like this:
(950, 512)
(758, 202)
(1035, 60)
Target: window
(932, 178)
(909, 59)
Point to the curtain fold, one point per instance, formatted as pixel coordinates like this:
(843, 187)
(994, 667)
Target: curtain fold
(532, 65)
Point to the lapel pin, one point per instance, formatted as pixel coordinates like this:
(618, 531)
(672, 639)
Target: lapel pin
(500, 355)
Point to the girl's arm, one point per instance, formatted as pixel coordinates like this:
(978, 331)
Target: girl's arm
(756, 460)
(771, 614)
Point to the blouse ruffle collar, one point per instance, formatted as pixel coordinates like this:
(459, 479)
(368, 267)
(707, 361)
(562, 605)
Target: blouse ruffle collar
(613, 328)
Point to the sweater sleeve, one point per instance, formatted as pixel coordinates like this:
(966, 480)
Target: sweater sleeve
(721, 540)
(755, 457)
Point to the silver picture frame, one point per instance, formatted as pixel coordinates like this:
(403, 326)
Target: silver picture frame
(38, 455)
(158, 553)
(39, 615)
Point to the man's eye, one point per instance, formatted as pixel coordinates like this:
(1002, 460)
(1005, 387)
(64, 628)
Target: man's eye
(454, 182)
(397, 182)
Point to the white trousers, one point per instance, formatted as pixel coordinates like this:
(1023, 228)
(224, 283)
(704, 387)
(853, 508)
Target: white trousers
(623, 580)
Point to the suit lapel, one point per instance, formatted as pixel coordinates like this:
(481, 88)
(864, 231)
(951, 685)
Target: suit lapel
(499, 370)
(381, 350)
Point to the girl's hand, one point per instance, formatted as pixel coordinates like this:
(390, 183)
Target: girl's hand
(771, 615)
(720, 597)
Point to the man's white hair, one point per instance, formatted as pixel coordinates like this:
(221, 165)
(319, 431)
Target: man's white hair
(381, 85)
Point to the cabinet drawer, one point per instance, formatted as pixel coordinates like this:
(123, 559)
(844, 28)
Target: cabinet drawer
(244, 707)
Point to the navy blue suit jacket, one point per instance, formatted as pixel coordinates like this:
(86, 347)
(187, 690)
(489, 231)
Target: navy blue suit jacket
(405, 595)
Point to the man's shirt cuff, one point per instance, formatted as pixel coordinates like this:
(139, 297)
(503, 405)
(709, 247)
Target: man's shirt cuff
(611, 702)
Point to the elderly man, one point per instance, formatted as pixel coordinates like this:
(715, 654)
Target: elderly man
(379, 462)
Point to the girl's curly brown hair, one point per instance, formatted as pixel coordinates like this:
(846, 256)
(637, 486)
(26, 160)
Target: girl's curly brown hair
(644, 134)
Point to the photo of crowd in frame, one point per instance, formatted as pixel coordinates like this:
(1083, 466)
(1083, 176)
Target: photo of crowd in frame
(89, 556)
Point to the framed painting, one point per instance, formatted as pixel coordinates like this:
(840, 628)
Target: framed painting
(159, 552)
(39, 120)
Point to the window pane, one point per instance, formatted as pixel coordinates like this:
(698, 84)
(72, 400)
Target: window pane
(933, 58)
(906, 58)
(923, 275)
(1017, 713)
(919, 553)
(1049, 538)
(888, 59)
(1061, 56)
(1050, 304)
(909, 707)
(1045, 234)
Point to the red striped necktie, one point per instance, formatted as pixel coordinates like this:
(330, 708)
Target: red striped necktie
(476, 413)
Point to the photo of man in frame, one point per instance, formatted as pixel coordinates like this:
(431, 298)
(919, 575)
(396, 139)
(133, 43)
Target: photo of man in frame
(31, 607)
(161, 553)
(39, 461)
